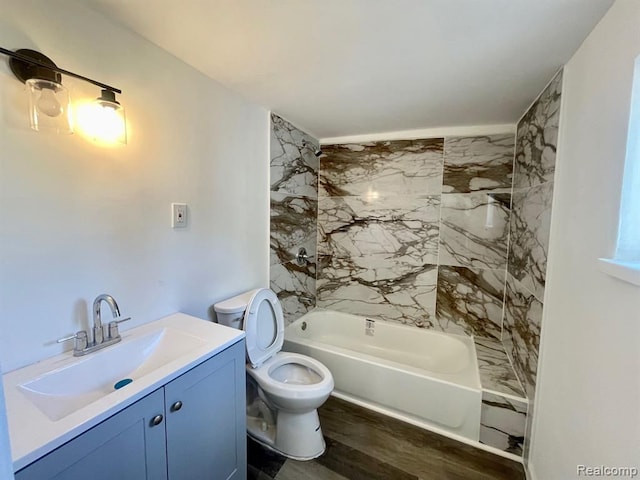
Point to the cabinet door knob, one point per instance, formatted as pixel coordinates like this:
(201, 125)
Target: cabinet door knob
(176, 406)
(157, 420)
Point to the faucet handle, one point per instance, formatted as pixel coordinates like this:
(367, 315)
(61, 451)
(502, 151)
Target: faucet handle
(80, 338)
(113, 326)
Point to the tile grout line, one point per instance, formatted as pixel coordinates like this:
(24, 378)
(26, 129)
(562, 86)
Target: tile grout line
(504, 297)
(444, 156)
(509, 396)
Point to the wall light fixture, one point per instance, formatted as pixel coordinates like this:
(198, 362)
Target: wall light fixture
(49, 105)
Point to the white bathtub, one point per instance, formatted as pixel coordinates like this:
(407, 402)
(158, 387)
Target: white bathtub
(425, 377)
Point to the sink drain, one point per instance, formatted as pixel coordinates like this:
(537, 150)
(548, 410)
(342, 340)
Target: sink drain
(122, 383)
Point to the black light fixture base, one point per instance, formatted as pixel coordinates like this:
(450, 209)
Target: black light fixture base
(108, 96)
(26, 64)
(24, 70)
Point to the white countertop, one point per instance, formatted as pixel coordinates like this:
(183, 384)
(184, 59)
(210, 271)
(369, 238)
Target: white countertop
(33, 434)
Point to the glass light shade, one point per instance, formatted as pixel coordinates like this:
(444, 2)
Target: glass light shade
(49, 107)
(104, 120)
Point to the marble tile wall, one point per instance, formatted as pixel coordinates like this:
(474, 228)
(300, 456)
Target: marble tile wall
(416, 231)
(378, 228)
(294, 206)
(502, 422)
(534, 169)
(504, 410)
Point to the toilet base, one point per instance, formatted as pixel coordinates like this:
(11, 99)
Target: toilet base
(295, 435)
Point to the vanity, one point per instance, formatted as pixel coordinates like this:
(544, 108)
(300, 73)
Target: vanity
(182, 415)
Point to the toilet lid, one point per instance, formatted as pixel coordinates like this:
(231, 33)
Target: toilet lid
(264, 326)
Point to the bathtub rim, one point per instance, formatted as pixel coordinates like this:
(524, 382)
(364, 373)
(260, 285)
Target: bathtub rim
(390, 323)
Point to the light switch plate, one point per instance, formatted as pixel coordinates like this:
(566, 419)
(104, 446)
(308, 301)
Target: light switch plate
(178, 215)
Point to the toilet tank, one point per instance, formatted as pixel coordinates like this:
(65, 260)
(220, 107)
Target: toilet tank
(231, 310)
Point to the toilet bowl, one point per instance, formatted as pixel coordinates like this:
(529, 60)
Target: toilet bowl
(284, 390)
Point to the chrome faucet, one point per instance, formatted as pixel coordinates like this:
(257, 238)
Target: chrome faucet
(100, 340)
(98, 330)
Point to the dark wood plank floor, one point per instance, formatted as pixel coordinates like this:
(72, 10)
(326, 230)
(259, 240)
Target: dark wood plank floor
(364, 445)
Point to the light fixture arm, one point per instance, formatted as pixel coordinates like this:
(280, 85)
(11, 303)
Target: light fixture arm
(33, 61)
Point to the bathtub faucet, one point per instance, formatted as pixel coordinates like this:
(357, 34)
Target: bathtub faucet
(307, 300)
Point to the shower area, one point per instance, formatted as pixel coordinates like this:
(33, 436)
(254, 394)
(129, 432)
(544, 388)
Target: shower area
(446, 233)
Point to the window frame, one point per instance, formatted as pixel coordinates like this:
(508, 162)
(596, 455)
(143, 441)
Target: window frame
(626, 263)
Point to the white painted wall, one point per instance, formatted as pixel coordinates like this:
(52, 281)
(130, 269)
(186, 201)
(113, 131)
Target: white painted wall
(6, 465)
(587, 407)
(79, 219)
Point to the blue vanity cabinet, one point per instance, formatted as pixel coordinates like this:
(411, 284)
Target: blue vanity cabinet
(127, 446)
(206, 420)
(193, 428)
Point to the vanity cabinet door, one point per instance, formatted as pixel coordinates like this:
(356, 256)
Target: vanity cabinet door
(127, 446)
(206, 419)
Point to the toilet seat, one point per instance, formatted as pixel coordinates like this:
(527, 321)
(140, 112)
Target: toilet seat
(263, 376)
(264, 326)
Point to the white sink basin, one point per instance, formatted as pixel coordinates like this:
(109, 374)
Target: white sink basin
(61, 392)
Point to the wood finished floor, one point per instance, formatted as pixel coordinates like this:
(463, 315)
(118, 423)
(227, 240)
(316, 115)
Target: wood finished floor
(364, 445)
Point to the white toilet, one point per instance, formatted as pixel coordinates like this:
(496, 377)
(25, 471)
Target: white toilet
(284, 390)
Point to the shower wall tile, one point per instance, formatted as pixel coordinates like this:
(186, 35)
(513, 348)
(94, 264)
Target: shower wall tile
(469, 301)
(294, 207)
(474, 164)
(371, 169)
(496, 374)
(534, 169)
(383, 222)
(295, 287)
(502, 422)
(293, 225)
(530, 223)
(521, 336)
(380, 286)
(294, 166)
(474, 229)
(537, 138)
(401, 226)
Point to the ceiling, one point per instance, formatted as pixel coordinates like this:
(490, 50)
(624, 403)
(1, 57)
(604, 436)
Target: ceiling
(349, 67)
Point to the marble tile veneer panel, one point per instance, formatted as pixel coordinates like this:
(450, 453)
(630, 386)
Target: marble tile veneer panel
(529, 231)
(295, 287)
(474, 229)
(371, 169)
(379, 286)
(294, 167)
(293, 225)
(404, 226)
(469, 301)
(521, 334)
(478, 163)
(537, 138)
(502, 422)
(496, 373)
